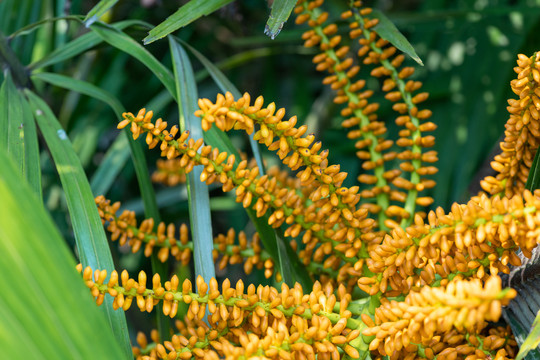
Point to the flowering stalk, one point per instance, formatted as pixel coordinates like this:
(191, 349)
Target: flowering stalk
(472, 240)
(124, 228)
(288, 322)
(522, 134)
(401, 328)
(329, 219)
(338, 61)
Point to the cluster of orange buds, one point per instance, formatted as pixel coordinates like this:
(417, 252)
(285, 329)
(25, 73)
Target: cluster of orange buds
(257, 321)
(169, 172)
(146, 350)
(425, 316)
(334, 229)
(392, 186)
(475, 239)
(522, 134)
(250, 253)
(124, 228)
(332, 212)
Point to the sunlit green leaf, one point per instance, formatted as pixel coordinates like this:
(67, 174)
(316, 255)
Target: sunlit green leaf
(281, 10)
(18, 136)
(92, 245)
(184, 16)
(46, 309)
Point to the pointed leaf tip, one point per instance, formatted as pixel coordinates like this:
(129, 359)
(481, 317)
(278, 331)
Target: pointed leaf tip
(281, 10)
(388, 31)
(98, 11)
(184, 16)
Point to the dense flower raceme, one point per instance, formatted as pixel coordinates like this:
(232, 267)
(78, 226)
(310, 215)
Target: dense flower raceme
(375, 150)
(427, 317)
(242, 322)
(165, 242)
(522, 134)
(335, 232)
(262, 321)
(474, 239)
(393, 260)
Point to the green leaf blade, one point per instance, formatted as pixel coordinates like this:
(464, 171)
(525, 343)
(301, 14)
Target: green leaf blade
(198, 197)
(281, 10)
(123, 42)
(82, 87)
(90, 237)
(98, 11)
(47, 309)
(532, 341)
(533, 180)
(76, 47)
(388, 31)
(184, 16)
(19, 136)
(113, 162)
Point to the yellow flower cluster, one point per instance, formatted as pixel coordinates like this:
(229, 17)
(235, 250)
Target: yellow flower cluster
(475, 240)
(425, 316)
(257, 321)
(124, 228)
(361, 115)
(522, 134)
(335, 230)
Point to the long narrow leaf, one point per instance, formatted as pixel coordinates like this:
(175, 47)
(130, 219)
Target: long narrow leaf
(81, 87)
(76, 47)
(198, 198)
(184, 16)
(98, 11)
(45, 308)
(532, 341)
(92, 245)
(281, 10)
(125, 43)
(19, 136)
(114, 162)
